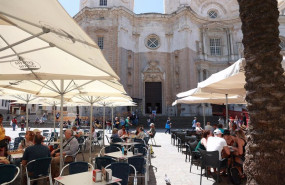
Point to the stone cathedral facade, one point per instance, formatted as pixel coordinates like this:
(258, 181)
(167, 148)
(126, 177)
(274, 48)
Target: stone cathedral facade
(159, 55)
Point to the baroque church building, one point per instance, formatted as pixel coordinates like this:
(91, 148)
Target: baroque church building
(159, 55)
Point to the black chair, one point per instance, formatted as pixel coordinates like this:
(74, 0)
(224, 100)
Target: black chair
(38, 169)
(122, 171)
(77, 167)
(109, 149)
(116, 145)
(141, 149)
(45, 131)
(139, 141)
(195, 155)
(116, 140)
(8, 173)
(17, 141)
(107, 139)
(22, 134)
(139, 164)
(210, 159)
(103, 162)
(146, 139)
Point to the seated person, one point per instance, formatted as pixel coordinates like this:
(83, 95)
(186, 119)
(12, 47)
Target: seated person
(152, 131)
(199, 129)
(227, 136)
(37, 151)
(122, 132)
(115, 133)
(203, 142)
(239, 150)
(217, 143)
(28, 141)
(37, 131)
(208, 126)
(4, 140)
(76, 132)
(220, 126)
(70, 147)
(140, 133)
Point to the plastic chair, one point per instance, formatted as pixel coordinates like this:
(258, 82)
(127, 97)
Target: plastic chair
(146, 139)
(122, 171)
(71, 156)
(116, 140)
(109, 149)
(77, 167)
(116, 145)
(195, 156)
(17, 141)
(107, 139)
(22, 134)
(38, 169)
(210, 159)
(45, 131)
(139, 141)
(9, 173)
(139, 164)
(103, 162)
(141, 149)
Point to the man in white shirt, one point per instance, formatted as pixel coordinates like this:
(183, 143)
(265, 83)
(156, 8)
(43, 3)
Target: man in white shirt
(217, 143)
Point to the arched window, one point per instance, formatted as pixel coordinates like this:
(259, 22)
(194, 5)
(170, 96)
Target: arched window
(152, 41)
(213, 14)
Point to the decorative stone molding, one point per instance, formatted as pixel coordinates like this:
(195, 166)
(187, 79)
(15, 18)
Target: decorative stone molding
(153, 72)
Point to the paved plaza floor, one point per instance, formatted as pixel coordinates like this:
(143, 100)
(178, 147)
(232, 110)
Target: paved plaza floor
(166, 159)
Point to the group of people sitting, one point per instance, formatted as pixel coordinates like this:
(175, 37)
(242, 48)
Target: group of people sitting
(33, 147)
(230, 144)
(139, 133)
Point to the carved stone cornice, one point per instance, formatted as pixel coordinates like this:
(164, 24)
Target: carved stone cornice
(153, 72)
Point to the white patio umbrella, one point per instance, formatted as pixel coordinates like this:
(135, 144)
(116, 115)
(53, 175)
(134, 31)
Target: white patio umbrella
(48, 49)
(216, 100)
(92, 99)
(109, 102)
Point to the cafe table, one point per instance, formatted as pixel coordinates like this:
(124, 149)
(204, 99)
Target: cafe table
(127, 143)
(120, 155)
(84, 178)
(16, 155)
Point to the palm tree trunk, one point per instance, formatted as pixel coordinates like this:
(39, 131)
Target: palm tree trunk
(265, 150)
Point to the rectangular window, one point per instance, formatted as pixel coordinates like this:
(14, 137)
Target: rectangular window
(103, 2)
(101, 42)
(215, 47)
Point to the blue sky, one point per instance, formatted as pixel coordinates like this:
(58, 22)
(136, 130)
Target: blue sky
(141, 6)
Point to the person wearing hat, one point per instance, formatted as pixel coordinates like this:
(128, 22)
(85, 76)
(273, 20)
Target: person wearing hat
(37, 131)
(217, 143)
(152, 131)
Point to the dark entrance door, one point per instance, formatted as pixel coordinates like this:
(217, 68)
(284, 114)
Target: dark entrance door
(153, 97)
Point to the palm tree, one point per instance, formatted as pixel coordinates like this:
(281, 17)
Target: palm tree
(265, 150)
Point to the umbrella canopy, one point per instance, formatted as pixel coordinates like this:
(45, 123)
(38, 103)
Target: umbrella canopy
(229, 81)
(38, 44)
(194, 100)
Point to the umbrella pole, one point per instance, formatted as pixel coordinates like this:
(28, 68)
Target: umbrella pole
(90, 137)
(54, 118)
(112, 122)
(227, 112)
(104, 125)
(203, 105)
(27, 117)
(61, 123)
